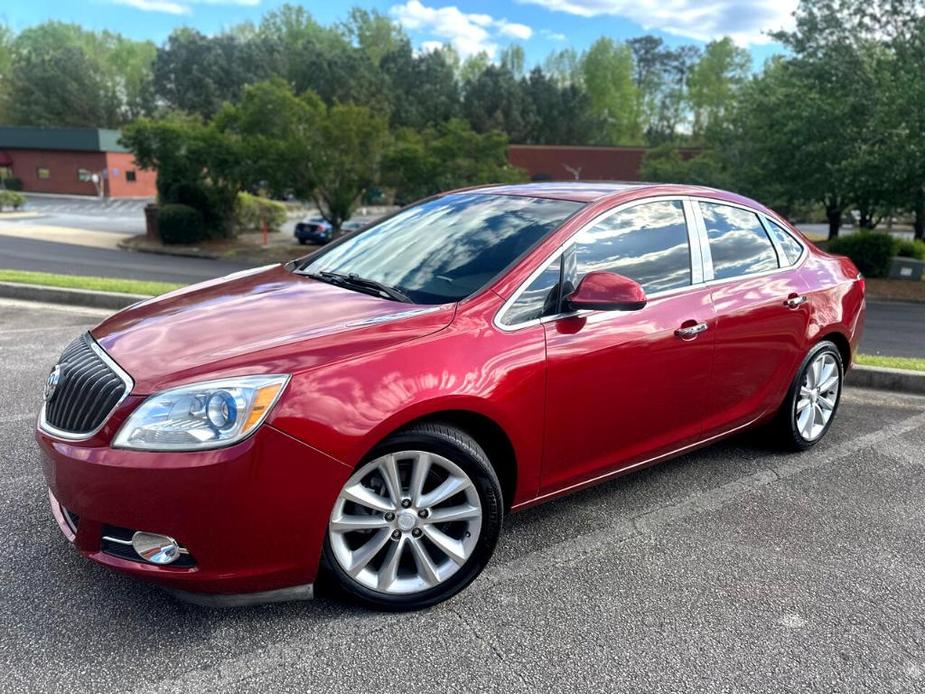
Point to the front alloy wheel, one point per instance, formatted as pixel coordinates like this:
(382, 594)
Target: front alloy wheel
(417, 523)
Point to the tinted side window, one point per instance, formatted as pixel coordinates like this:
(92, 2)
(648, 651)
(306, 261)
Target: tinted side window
(538, 299)
(647, 243)
(792, 249)
(738, 242)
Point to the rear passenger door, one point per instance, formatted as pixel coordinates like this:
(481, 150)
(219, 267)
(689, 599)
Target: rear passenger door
(761, 313)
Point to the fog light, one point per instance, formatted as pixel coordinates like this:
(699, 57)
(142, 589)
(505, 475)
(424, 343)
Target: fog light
(157, 549)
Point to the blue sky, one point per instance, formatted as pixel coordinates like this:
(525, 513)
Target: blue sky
(540, 26)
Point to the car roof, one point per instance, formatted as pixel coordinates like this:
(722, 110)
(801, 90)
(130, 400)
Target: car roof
(602, 191)
(579, 191)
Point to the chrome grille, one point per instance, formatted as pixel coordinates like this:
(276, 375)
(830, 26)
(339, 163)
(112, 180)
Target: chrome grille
(89, 387)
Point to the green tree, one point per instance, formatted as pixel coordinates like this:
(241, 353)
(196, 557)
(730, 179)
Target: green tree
(563, 113)
(345, 160)
(373, 33)
(61, 74)
(312, 57)
(197, 165)
(714, 81)
(607, 69)
(423, 87)
(496, 100)
(564, 67)
(472, 68)
(277, 131)
(661, 75)
(513, 59)
(198, 73)
(450, 155)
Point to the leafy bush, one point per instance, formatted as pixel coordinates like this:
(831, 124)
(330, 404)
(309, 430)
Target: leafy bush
(10, 198)
(180, 224)
(12, 183)
(871, 251)
(911, 249)
(251, 210)
(206, 200)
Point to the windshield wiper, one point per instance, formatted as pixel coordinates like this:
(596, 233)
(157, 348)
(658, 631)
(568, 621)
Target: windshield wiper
(353, 280)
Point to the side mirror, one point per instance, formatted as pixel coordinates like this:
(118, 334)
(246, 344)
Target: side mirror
(606, 291)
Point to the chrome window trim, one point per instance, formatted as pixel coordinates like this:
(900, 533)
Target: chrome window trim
(571, 241)
(123, 376)
(761, 219)
(696, 227)
(694, 242)
(766, 222)
(704, 239)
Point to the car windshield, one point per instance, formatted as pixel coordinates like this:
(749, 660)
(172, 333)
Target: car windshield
(445, 249)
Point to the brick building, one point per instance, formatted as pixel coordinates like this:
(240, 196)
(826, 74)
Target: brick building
(568, 163)
(64, 160)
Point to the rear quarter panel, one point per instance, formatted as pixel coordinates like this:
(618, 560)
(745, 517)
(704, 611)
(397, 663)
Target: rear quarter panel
(836, 299)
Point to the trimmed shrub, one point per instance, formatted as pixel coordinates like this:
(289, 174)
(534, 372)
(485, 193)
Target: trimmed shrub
(180, 224)
(251, 210)
(12, 183)
(911, 249)
(10, 198)
(871, 251)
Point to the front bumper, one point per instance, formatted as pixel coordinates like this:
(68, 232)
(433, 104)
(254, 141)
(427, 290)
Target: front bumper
(252, 516)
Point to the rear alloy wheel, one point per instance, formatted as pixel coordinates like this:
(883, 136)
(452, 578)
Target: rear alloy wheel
(813, 397)
(818, 396)
(418, 522)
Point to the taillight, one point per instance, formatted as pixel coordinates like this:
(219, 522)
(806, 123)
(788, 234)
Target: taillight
(860, 279)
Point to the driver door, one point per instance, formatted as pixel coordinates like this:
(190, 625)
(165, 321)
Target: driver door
(622, 386)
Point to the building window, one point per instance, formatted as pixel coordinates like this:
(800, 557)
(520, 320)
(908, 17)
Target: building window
(6, 172)
(130, 176)
(43, 173)
(84, 175)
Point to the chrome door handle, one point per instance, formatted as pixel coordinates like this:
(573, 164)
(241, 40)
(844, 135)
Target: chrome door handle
(794, 301)
(691, 331)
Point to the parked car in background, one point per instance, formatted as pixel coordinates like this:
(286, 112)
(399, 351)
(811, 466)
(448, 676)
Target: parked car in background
(315, 230)
(319, 231)
(385, 401)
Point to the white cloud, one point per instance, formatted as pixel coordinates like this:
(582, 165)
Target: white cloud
(180, 6)
(743, 20)
(553, 35)
(155, 6)
(468, 33)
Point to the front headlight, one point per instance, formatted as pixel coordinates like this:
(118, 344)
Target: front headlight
(201, 415)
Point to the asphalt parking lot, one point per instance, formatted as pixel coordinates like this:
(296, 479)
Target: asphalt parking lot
(732, 569)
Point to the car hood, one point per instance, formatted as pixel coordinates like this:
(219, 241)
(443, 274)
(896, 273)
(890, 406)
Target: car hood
(266, 320)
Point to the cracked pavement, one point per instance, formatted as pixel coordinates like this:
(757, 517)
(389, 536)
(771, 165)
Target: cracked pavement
(734, 568)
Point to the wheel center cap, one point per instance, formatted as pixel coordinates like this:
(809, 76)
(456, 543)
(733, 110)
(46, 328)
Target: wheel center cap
(407, 520)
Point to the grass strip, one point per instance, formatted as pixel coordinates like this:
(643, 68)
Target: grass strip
(101, 284)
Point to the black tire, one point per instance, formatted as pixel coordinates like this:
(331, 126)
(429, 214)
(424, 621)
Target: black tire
(784, 428)
(465, 452)
(302, 242)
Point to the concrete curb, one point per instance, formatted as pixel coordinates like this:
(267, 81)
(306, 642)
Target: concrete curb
(136, 244)
(71, 297)
(895, 380)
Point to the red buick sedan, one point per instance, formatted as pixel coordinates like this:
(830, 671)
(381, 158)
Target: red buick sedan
(374, 409)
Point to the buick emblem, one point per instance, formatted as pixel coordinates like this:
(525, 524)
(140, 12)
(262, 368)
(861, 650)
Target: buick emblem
(51, 383)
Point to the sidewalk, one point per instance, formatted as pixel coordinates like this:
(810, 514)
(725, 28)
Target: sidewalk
(58, 234)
